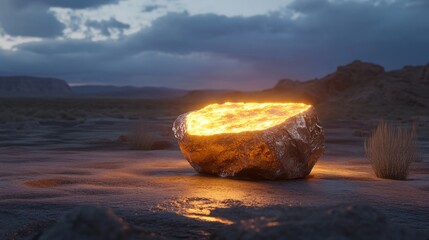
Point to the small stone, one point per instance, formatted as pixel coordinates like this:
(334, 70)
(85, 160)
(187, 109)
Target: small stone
(88, 223)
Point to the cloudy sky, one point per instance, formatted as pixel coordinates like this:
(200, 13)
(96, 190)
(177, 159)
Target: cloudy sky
(191, 44)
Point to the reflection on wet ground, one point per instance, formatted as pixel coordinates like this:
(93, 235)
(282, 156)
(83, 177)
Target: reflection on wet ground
(161, 193)
(198, 208)
(143, 184)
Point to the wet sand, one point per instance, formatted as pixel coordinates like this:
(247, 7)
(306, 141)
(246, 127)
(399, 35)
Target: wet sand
(159, 191)
(48, 168)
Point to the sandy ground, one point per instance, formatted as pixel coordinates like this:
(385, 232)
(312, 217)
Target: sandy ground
(47, 170)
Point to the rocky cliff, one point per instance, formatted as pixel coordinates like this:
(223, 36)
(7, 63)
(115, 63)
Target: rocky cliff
(23, 86)
(355, 90)
(127, 92)
(364, 88)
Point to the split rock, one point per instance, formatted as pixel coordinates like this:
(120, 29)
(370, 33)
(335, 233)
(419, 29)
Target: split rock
(285, 151)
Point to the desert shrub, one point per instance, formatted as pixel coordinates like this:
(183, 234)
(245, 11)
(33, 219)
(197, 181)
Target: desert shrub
(391, 150)
(419, 153)
(140, 138)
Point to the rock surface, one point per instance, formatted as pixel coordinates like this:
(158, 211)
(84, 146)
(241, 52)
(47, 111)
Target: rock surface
(339, 222)
(360, 89)
(286, 151)
(87, 223)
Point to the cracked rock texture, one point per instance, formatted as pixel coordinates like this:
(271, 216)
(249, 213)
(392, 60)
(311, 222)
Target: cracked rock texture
(286, 151)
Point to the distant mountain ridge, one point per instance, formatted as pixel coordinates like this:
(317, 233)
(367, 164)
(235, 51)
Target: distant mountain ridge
(26, 86)
(365, 88)
(127, 91)
(355, 89)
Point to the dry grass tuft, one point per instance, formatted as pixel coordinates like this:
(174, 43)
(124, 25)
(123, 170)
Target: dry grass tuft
(391, 150)
(419, 153)
(140, 138)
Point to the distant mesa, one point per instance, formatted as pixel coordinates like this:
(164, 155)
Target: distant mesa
(206, 95)
(127, 92)
(353, 89)
(24, 86)
(286, 83)
(360, 87)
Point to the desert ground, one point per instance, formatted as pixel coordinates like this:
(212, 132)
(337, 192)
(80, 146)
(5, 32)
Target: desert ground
(56, 155)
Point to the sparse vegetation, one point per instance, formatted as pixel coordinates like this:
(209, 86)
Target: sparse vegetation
(419, 154)
(391, 150)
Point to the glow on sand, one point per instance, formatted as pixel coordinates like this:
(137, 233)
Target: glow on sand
(240, 117)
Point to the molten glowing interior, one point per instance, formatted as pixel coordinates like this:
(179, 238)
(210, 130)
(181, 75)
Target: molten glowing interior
(240, 117)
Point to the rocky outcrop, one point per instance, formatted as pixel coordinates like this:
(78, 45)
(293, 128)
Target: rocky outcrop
(425, 74)
(415, 74)
(338, 222)
(271, 222)
(287, 84)
(350, 75)
(22, 86)
(361, 89)
(88, 223)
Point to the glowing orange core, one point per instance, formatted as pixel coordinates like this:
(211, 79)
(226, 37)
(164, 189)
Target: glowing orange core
(240, 117)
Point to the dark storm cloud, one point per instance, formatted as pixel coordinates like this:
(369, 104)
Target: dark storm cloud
(29, 21)
(203, 50)
(32, 18)
(327, 34)
(418, 3)
(308, 5)
(74, 4)
(392, 35)
(105, 26)
(151, 8)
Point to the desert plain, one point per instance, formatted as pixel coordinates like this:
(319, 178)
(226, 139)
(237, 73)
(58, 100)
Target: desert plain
(79, 157)
(120, 155)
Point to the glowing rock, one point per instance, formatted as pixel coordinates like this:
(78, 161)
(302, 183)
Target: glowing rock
(251, 140)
